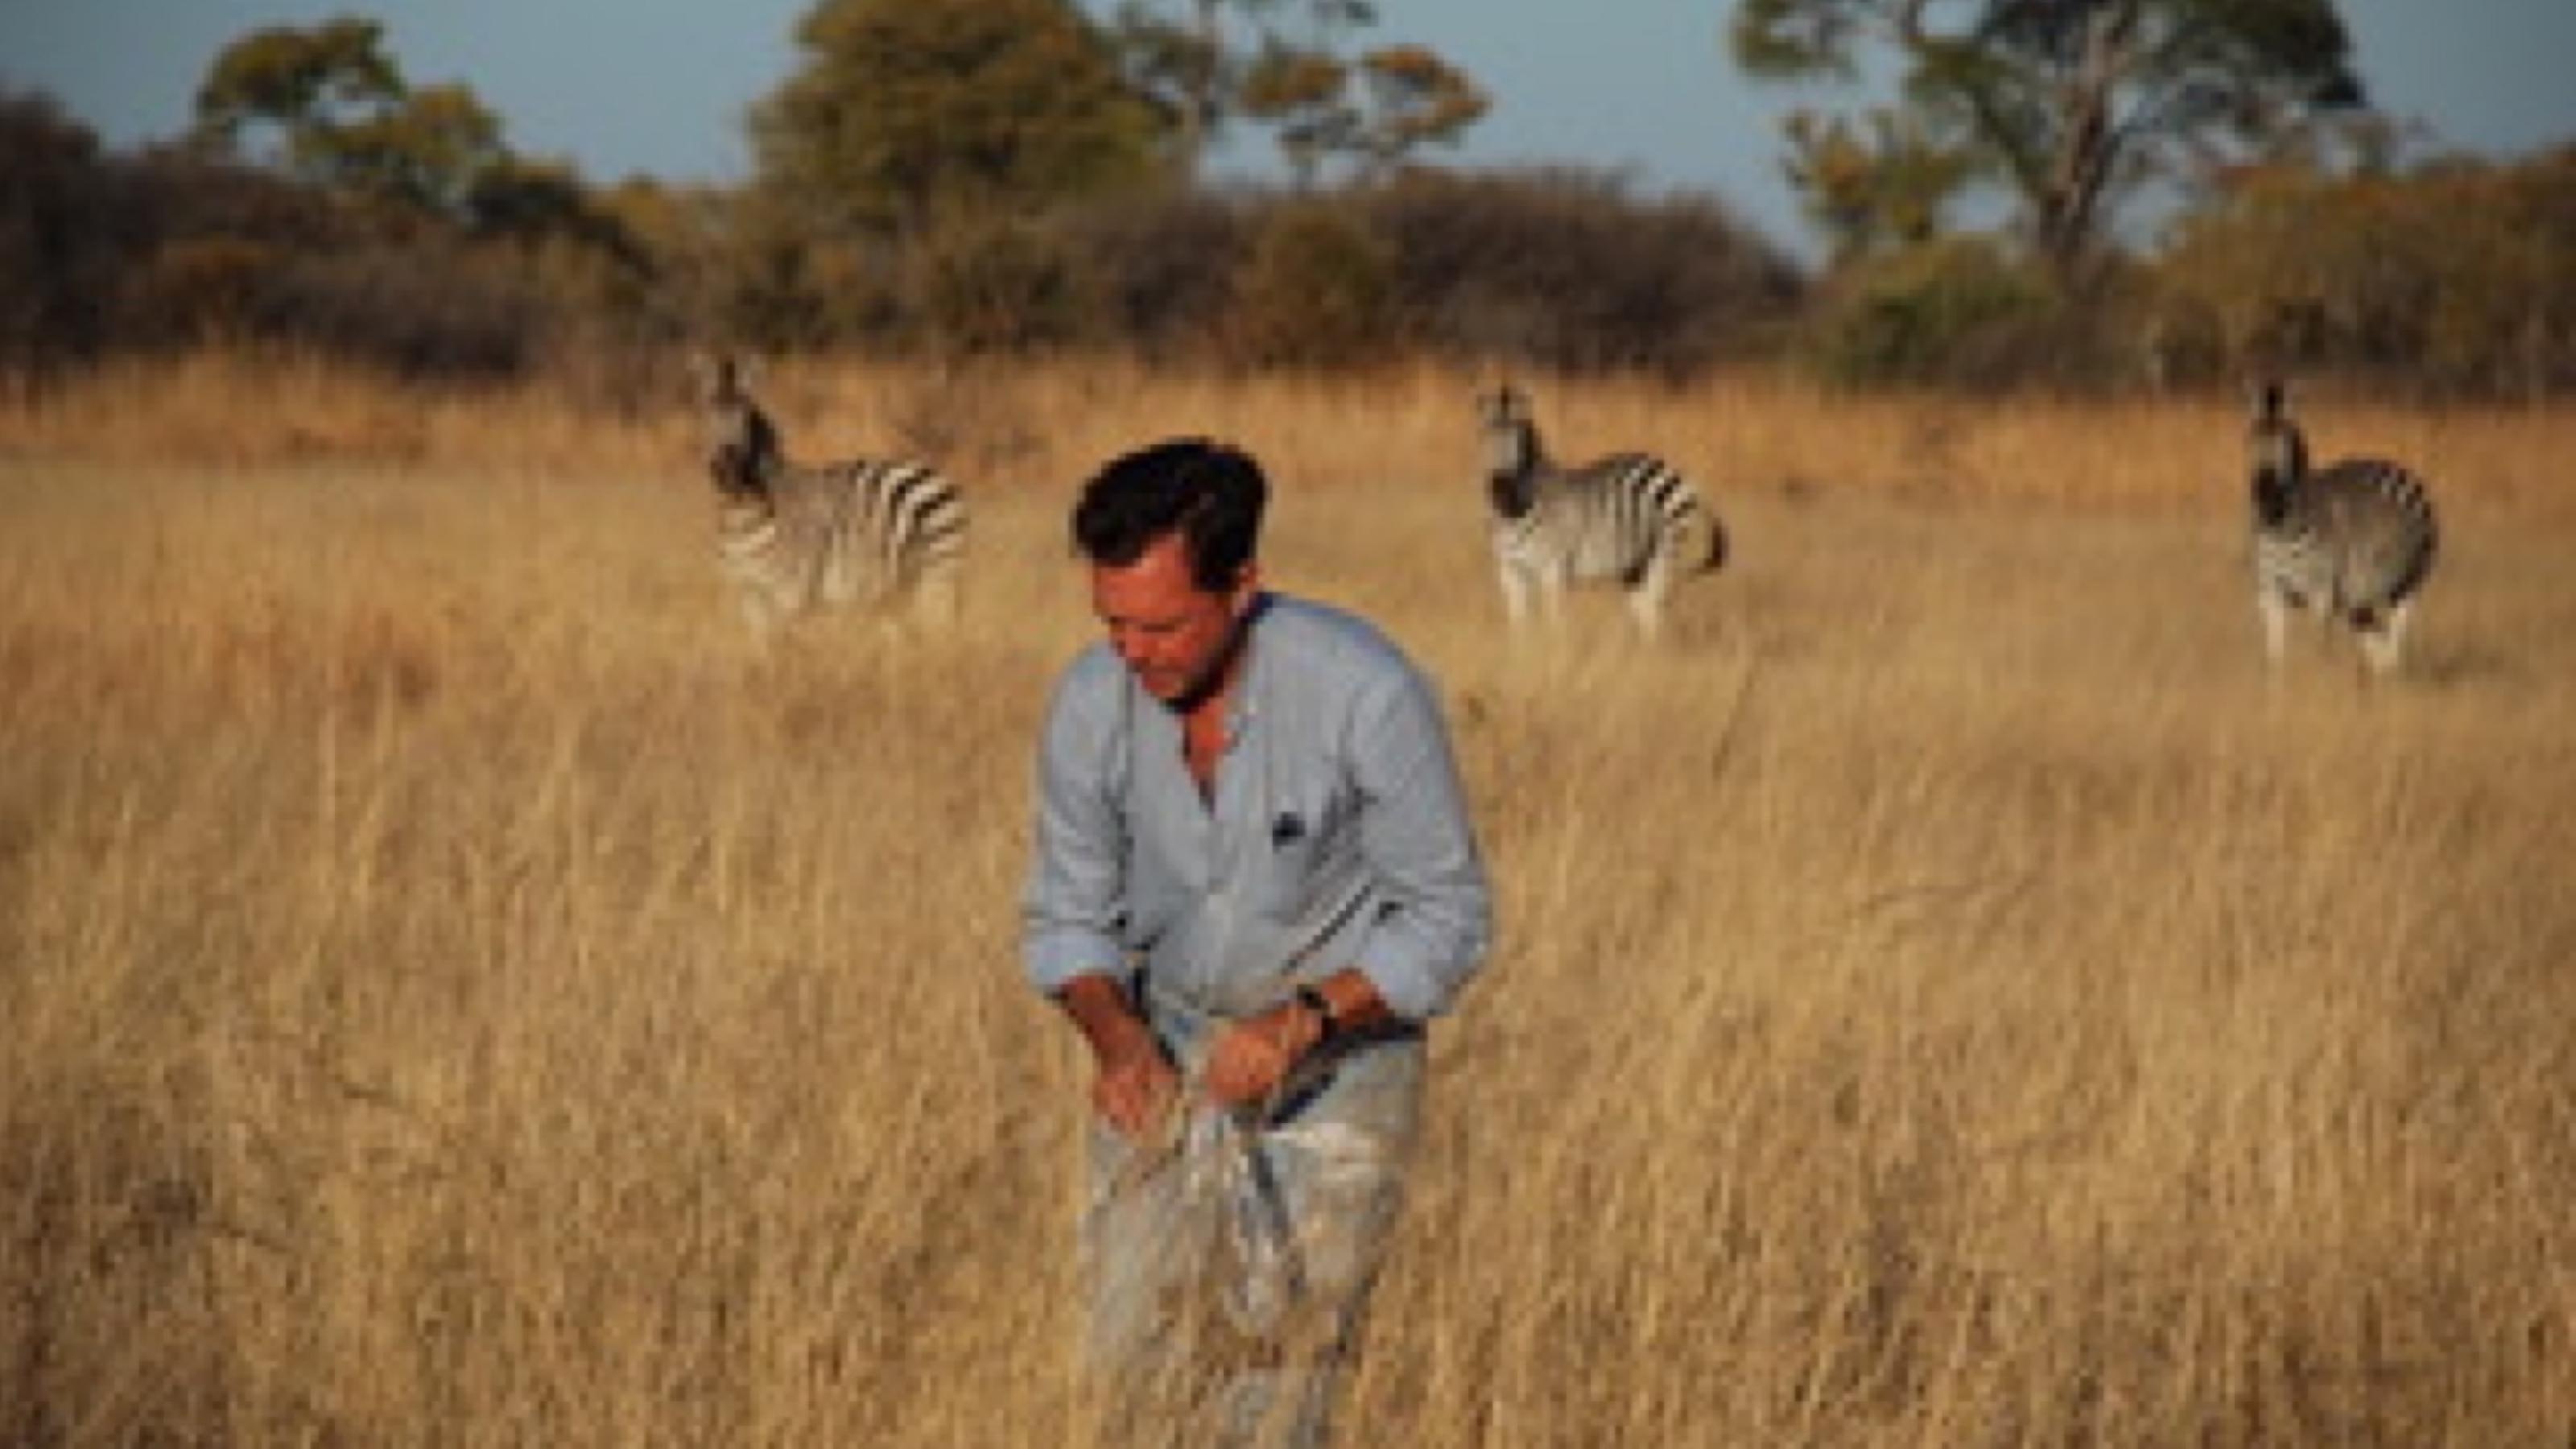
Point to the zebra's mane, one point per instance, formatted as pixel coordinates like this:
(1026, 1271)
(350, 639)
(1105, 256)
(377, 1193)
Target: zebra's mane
(746, 454)
(1514, 491)
(2279, 449)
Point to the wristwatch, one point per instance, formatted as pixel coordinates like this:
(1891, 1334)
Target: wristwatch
(1317, 1002)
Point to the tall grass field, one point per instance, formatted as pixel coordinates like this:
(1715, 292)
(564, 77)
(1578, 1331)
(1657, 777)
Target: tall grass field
(454, 990)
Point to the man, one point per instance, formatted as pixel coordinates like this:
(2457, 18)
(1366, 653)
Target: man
(1253, 883)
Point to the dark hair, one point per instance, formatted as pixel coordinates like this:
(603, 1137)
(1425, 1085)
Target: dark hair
(1209, 493)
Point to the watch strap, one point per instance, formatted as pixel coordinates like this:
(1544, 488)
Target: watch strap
(1314, 1000)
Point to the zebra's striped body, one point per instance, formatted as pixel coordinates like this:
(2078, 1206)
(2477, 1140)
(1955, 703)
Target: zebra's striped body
(1629, 519)
(2353, 542)
(798, 539)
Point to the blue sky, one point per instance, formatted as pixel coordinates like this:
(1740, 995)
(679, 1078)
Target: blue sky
(1641, 86)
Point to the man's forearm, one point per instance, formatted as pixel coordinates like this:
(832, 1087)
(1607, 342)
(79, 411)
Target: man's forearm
(1135, 1081)
(1107, 1018)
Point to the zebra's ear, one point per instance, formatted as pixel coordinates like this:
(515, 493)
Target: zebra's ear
(2271, 400)
(723, 379)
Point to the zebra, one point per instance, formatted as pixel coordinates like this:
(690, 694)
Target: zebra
(2354, 541)
(1629, 519)
(795, 539)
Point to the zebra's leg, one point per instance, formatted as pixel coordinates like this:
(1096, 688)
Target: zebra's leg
(1515, 594)
(1646, 598)
(1646, 606)
(2382, 637)
(2276, 624)
(1551, 598)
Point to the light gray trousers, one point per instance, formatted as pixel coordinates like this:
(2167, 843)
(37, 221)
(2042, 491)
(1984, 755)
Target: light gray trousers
(1229, 1261)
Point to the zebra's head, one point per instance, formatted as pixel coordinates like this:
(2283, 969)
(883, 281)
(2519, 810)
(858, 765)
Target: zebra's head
(742, 444)
(1513, 456)
(2276, 451)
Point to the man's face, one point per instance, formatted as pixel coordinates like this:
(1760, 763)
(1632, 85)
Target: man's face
(1174, 636)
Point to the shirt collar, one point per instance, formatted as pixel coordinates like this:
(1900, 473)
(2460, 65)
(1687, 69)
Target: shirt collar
(1245, 708)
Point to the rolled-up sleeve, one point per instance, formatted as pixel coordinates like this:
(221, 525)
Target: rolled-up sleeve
(1070, 909)
(1435, 920)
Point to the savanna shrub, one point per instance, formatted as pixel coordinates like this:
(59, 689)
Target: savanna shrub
(1316, 290)
(1161, 270)
(1564, 270)
(1956, 312)
(991, 285)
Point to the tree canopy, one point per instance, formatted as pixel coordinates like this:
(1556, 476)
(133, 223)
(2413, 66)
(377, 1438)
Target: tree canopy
(1197, 59)
(1373, 116)
(906, 109)
(1212, 63)
(303, 84)
(2070, 106)
(332, 108)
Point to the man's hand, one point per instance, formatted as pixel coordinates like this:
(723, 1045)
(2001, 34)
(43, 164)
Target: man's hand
(1134, 1088)
(1250, 1058)
(1135, 1083)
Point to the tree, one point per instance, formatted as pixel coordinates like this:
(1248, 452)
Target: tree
(334, 111)
(1211, 63)
(1415, 99)
(2454, 275)
(1397, 100)
(429, 150)
(2070, 105)
(1889, 186)
(1190, 57)
(53, 271)
(302, 87)
(907, 110)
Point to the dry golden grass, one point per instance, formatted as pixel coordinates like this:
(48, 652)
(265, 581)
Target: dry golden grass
(451, 993)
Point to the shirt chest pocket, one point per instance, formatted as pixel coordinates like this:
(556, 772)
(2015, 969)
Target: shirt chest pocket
(1303, 855)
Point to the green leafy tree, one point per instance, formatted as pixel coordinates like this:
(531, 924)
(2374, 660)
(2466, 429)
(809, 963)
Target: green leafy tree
(1415, 98)
(1302, 95)
(1197, 58)
(331, 108)
(1373, 115)
(1181, 65)
(1279, 65)
(905, 111)
(2455, 275)
(430, 150)
(281, 95)
(1877, 184)
(2070, 105)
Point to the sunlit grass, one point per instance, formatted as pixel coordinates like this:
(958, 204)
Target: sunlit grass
(452, 991)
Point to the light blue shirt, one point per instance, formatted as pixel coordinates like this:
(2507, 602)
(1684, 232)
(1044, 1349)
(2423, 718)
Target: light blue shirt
(1337, 835)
